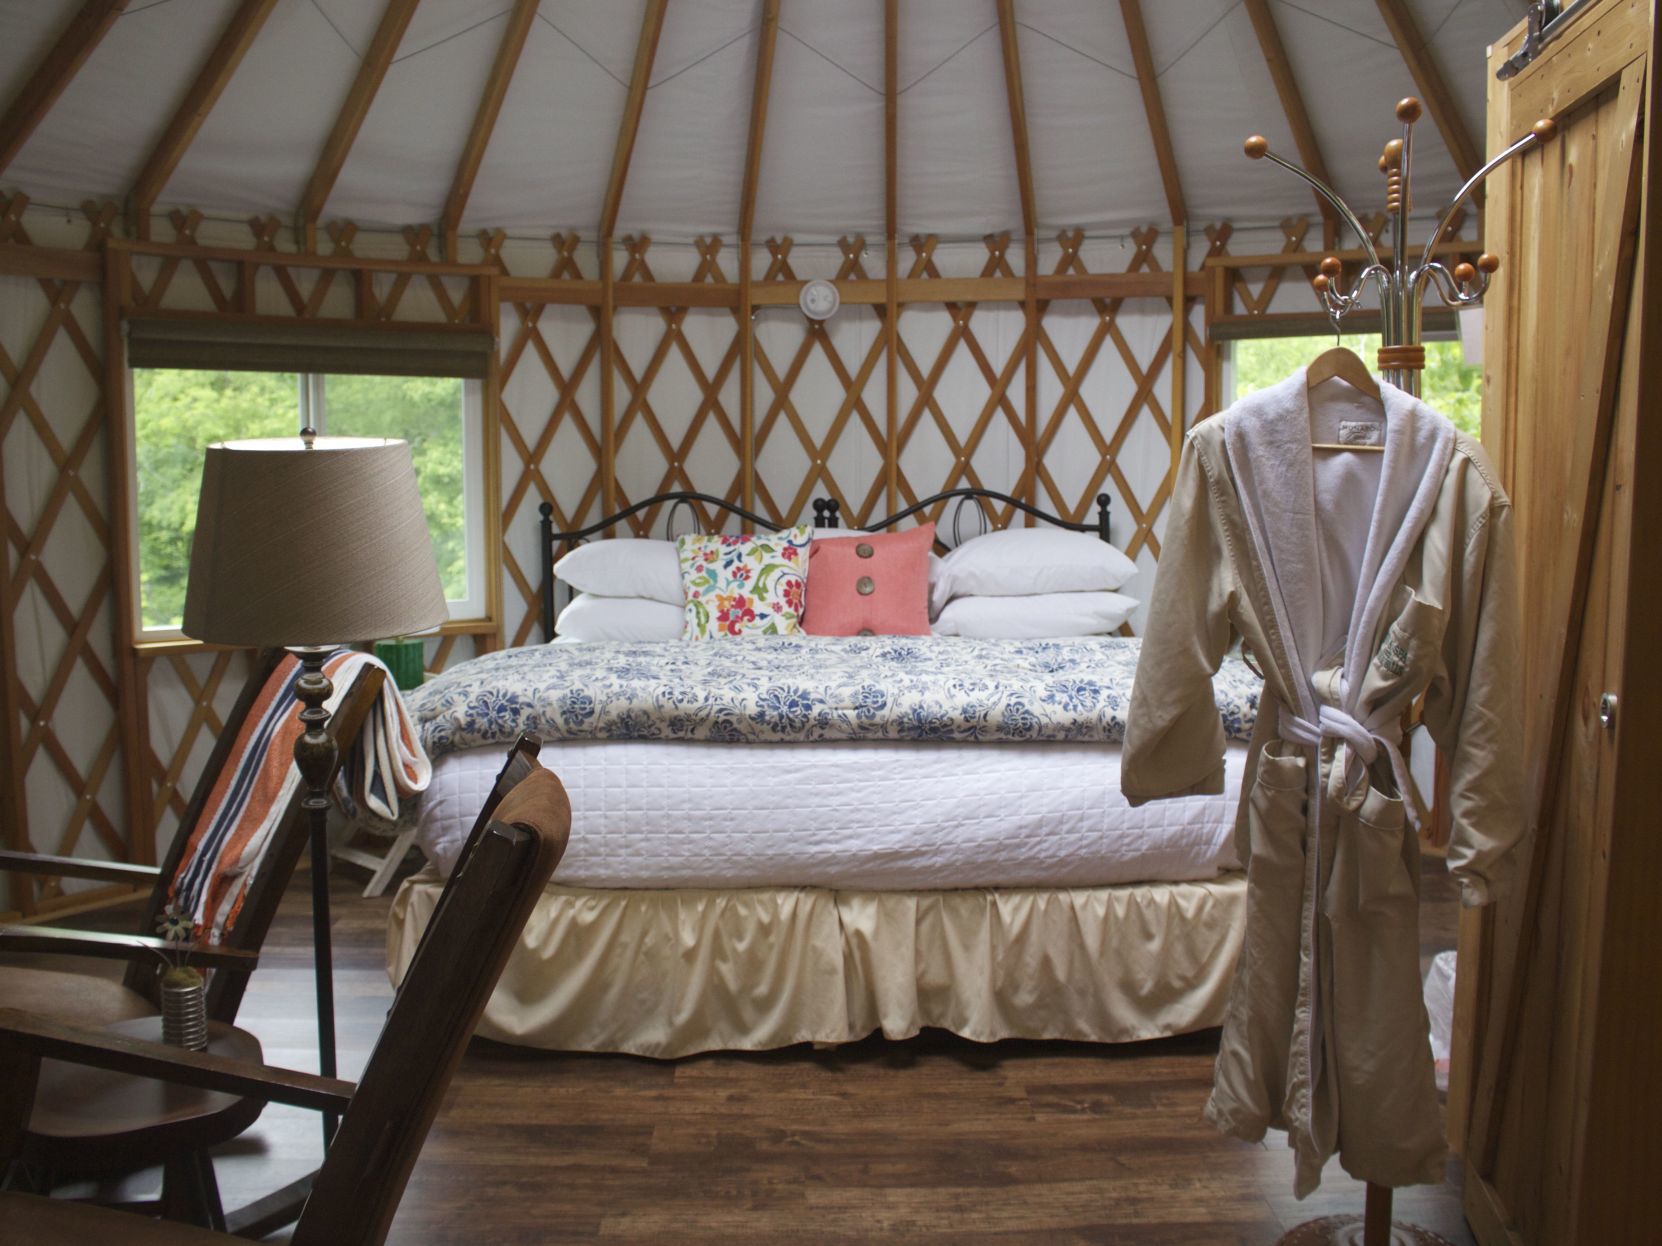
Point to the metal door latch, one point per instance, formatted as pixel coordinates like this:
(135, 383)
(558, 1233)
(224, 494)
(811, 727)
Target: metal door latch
(1607, 711)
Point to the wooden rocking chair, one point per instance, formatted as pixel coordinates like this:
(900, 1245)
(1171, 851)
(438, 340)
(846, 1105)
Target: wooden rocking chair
(502, 872)
(146, 1131)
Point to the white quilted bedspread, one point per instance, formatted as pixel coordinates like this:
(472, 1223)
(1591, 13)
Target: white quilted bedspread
(869, 815)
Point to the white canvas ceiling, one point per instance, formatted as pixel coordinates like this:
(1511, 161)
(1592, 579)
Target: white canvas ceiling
(548, 161)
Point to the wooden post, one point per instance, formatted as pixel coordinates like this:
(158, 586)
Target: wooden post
(135, 748)
(608, 382)
(1179, 342)
(1030, 309)
(747, 381)
(488, 308)
(891, 250)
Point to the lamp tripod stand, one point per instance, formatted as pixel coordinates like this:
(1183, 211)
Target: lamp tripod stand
(315, 757)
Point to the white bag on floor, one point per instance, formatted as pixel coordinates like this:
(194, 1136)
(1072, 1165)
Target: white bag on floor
(1439, 1004)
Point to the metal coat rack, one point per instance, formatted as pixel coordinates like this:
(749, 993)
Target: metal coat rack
(1401, 280)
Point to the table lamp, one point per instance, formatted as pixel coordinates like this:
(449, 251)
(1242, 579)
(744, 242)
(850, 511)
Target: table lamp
(308, 543)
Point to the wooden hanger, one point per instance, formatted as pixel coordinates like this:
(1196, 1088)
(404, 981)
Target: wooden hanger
(1342, 363)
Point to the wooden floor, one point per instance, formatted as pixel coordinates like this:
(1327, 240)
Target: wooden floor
(934, 1140)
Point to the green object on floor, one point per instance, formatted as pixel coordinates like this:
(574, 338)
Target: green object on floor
(404, 657)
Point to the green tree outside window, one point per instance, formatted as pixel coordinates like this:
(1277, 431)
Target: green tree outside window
(1449, 384)
(178, 413)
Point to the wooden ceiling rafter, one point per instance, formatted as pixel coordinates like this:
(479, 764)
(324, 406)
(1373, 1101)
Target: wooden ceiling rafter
(1433, 89)
(1136, 33)
(501, 76)
(1287, 90)
(891, 122)
(389, 33)
(646, 52)
(759, 93)
(1018, 114)
(57, 69)
(211, 81)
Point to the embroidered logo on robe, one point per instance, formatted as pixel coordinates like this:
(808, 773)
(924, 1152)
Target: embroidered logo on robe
(1392, 657)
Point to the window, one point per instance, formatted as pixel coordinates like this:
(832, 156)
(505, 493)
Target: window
(1449, 384)
(178, 413)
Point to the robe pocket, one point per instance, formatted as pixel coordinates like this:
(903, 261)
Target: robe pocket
(1276, 808)
(1373, 869)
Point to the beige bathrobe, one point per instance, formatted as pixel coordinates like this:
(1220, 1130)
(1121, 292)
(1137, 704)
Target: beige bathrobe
(1359, 581)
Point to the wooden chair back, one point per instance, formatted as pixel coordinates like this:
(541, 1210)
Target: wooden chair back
(265, 889)
(474, 928)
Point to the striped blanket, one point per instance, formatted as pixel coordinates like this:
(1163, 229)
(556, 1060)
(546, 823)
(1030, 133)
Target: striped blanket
(259, 782)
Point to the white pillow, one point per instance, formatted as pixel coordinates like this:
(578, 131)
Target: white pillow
(1022, 562)
(589, 617)
(1044, 616)
(625, 567)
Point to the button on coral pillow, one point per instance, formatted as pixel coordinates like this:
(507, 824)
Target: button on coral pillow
(870, 584)
(743, 585)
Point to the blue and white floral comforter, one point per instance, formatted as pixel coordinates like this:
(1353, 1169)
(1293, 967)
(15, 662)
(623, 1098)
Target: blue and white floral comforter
(800, 689)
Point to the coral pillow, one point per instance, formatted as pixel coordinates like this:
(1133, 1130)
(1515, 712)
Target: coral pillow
(870, 584)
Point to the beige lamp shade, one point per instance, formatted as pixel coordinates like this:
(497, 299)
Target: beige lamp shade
(319, 546)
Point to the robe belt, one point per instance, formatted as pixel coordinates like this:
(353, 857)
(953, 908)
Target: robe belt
(1363, 744)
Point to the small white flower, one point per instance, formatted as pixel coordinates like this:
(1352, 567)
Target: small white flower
(175, 925)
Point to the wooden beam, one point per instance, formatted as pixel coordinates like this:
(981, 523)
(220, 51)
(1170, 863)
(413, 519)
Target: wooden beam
(758, 116)
(1179, 342)
(484, 121)
(211, 81)
(21, 261)
(646, 50)
(1027, 486)
(1439, 101)
(891, 251)
(1292, 100)
(1136, 34)
(854, 292)
(608, 380)
(55, 72)
(759, 91)
(1018, 112)
(394, 21)
(747, 381)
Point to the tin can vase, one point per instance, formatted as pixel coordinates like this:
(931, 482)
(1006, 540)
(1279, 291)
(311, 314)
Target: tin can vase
(184, 1010)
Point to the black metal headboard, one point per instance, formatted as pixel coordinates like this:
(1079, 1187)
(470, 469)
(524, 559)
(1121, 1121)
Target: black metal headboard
(827, 514)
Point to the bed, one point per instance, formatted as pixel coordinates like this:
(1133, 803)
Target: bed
(810, 839)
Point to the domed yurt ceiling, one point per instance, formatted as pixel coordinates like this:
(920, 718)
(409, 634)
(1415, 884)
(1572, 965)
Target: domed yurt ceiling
(550, 153)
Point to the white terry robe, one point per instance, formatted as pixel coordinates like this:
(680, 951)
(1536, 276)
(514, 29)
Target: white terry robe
(1362, 582)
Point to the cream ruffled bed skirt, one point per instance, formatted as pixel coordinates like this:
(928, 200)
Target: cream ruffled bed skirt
(672, 973)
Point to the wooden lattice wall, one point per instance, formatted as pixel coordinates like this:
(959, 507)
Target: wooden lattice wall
(821, 420)
(63, 741)
(822, 423)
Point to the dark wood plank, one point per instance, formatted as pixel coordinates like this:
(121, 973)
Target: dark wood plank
(104, 1049)
(933, 1140)
(147, 949)
(79, 867)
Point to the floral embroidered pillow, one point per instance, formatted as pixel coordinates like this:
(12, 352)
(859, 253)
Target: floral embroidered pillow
(743, 585)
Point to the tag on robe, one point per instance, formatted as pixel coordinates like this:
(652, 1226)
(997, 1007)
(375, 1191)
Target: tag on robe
(1361, 433)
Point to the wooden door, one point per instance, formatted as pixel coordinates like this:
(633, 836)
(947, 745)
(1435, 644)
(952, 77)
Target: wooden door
(1543, 1012)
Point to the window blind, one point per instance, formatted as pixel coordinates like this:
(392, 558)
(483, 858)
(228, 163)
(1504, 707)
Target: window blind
(210, 343)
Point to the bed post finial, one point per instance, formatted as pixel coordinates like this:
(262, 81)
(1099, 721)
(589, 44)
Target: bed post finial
(1102, 503)
(546, 510)
(825, 512)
